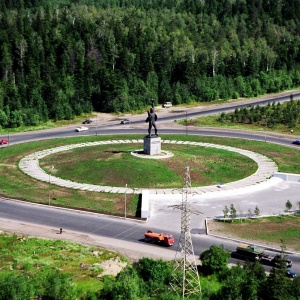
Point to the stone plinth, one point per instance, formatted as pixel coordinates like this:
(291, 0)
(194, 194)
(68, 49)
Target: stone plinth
(152, 145)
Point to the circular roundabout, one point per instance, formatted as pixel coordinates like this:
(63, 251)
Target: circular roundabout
(31, 166)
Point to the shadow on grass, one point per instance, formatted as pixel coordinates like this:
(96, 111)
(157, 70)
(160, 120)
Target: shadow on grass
(116, 151)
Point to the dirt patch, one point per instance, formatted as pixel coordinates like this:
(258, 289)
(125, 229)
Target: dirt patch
(113, 266)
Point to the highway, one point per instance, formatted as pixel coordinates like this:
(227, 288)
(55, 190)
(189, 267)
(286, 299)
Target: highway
(270, 200)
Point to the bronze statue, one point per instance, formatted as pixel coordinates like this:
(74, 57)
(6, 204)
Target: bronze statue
(151, 119)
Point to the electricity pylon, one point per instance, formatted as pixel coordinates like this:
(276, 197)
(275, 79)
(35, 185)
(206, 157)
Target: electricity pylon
(185, 277)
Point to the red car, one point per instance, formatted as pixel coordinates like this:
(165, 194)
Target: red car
(4, 141)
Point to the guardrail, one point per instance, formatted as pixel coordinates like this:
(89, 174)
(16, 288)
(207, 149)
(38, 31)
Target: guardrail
(287, 176)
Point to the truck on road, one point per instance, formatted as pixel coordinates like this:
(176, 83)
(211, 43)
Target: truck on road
(278, 261)
(248, 252)
(159, 238)
(255, 253)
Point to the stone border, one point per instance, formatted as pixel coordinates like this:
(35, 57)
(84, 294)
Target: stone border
(140, 153)
(30, 166)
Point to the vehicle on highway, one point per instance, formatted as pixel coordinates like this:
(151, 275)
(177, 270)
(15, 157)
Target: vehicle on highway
(87, 121)
(81, 128)
(167, 105)
(4, 141)
(255, 253)
(296, 142)
(159, 238)
(290, 274)
(125, 121)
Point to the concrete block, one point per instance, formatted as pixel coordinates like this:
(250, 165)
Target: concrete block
(145, 205)
(152, 145)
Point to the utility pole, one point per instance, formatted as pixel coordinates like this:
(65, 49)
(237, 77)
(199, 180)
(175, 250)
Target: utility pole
(186, 123)
(125, 203)
(52, 167)
(97, 125)
(185, 278)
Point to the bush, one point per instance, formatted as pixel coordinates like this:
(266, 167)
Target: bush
(156, 270)
(215, 259)
(126, 286)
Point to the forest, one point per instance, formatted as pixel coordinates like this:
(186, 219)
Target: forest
(62, 58)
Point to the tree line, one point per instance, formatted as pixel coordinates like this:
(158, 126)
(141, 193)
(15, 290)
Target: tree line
(271, 115)
(64, 58)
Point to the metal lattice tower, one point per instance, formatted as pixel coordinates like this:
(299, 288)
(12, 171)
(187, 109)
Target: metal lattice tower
(185, 277)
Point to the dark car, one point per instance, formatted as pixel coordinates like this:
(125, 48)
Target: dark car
(125, 121)
(87, 121)
(4, 141)
(296, 142)
(290, 274)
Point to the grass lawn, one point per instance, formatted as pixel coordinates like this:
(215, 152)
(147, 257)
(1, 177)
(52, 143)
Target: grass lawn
(271, 231)
(114, 165)
(35, 257)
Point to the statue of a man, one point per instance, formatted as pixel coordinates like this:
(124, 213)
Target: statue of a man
(151, 119)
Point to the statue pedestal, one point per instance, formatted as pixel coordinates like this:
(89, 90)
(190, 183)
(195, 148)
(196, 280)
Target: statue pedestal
(152, 145)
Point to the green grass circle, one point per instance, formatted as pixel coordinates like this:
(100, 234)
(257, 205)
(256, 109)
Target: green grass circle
(114, 165)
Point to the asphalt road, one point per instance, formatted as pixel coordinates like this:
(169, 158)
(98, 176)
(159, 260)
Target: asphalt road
(120, 229)
(271, 201)
(138, 124)
(120, 129)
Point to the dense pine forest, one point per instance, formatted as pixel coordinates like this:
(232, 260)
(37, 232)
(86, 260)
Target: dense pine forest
(62, 58)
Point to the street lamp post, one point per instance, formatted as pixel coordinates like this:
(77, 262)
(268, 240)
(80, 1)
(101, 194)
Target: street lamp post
(96, 126)
(186, 122)
(52, 167)
(125, 201)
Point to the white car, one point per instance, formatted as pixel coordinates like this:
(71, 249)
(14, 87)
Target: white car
(81, 128)
(167, 104)
(125, 121)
